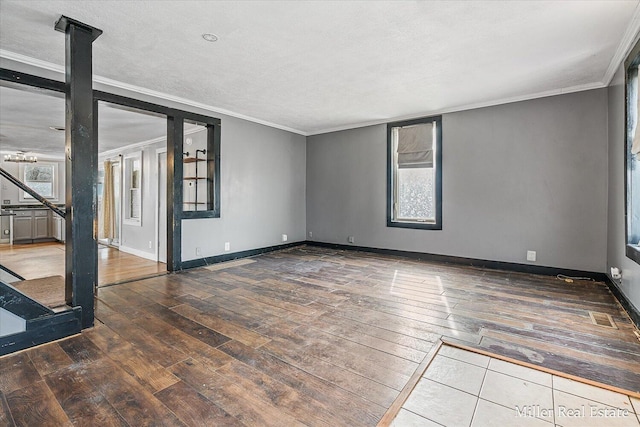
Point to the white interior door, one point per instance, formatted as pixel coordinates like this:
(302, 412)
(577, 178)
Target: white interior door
(162, 207)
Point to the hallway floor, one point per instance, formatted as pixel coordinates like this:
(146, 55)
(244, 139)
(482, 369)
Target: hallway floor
(36, 260)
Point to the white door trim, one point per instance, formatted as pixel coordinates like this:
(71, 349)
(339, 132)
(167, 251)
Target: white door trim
(120, 202)
(159, 151)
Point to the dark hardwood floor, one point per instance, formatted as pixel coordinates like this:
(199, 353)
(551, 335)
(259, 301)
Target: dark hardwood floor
(306, 336)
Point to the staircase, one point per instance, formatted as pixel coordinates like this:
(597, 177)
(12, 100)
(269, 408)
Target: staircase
(48, 291)
(34, 312)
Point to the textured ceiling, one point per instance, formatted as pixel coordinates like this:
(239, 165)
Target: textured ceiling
(26, 118)
(318, 66)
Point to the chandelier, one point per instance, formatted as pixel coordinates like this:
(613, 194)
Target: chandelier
(20, 157)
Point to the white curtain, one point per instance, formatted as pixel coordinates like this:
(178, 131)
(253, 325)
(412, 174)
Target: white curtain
(635, 144)
(108, 204)
(415, 146)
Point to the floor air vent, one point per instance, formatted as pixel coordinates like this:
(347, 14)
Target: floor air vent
(602, 319)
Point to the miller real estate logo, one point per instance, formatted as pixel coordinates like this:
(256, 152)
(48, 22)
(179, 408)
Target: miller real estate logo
(579, 411)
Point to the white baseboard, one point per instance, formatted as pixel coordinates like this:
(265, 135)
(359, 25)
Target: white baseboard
(137, 252)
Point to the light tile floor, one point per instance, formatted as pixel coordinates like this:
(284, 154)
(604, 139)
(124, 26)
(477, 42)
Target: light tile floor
(462, 389)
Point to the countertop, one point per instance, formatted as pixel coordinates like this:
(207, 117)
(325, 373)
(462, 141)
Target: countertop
(26, 207)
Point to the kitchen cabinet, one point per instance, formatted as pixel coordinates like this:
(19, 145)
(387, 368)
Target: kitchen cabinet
(58, 228)
(22, 226)
(30, 225)
(41, 224)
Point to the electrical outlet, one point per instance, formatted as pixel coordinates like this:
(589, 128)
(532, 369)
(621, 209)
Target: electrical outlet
(227, 246)
(284, 237)
(616, 273)
(531, 255)
(198, 251)
(311, 234)
(150, 244)
(351, 239)
(6, 201)
(6, 232)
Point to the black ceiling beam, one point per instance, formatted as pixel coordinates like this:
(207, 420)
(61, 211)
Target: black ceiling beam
(154, 108)
(30, 80)
(34, 81)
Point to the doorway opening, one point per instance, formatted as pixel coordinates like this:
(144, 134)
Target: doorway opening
(132, 232)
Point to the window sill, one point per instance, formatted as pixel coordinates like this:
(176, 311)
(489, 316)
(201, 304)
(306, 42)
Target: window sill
(633, 252)
(200, 214)
(31, 200)
(35, 202)
(415, 225)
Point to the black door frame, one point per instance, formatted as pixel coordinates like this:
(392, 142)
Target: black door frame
(175, 142)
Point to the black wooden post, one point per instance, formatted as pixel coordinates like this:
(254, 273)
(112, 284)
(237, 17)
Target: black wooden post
(175, 136)
(81, 154)
(213, 171)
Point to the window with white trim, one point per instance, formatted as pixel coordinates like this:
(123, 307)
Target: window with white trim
(40, 177)
(133, 188)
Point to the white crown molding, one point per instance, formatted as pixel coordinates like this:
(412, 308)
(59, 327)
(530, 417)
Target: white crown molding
(27, 60)
(116, 151)
(633, 26)
(184, 101)
(502, 101)
(629, 39)
(7, 54)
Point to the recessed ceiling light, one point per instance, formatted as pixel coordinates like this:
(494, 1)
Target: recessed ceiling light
(210, 37)
(58, 128)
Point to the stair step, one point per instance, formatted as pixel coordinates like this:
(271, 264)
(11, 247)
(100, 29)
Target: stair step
(48, 291)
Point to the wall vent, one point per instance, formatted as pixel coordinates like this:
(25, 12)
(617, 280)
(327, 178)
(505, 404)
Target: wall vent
(602, 319)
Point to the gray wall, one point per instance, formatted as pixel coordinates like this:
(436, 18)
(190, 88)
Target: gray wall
(263, 187)
(262, 193)
(263, 183)
(616, 257)
(524, 176)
